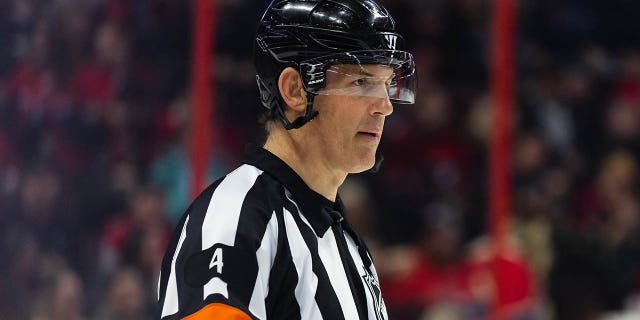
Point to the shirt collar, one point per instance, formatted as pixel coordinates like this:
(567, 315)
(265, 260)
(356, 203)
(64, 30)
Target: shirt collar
(314, 206)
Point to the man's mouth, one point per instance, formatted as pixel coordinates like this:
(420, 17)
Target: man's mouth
(372, 134)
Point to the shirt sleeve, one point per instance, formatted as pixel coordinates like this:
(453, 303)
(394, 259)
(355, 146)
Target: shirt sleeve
(218, 266)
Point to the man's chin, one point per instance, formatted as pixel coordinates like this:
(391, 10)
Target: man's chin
(364, 165)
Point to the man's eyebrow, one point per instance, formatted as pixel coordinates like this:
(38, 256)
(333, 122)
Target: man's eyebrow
(354, 72)
(363, 72)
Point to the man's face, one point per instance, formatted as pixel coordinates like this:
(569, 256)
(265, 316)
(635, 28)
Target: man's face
(352, 107)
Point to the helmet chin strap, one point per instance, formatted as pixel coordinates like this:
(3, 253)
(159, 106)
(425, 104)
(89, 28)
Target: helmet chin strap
(300, 121)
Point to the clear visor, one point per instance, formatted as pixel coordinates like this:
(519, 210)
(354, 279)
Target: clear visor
(387, 74)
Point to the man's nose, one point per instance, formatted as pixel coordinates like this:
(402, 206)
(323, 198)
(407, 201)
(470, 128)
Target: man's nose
(382, 105)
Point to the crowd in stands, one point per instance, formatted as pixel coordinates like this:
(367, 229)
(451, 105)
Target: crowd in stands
(94, 168)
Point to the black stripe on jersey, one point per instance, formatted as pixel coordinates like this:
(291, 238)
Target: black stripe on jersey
(325, 297)
(252, 225)
(357, 288)
(194, 230)
(281, 300)
(195, 212)
(240, 274)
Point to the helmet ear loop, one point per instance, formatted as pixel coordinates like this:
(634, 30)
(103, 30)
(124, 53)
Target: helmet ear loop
(300, 121)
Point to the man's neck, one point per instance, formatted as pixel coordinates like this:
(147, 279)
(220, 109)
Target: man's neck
(307, 162)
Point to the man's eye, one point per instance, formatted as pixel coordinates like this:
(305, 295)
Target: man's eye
(359, 82)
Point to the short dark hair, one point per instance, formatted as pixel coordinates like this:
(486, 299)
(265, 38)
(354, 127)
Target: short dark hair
(266, 117)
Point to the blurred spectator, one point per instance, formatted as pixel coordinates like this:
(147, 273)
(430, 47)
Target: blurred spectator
(586, 279)
(502, 276)
(9, 174)
(137, 236)
(623, 127)
(438, 278)
(171, 169)
(32, 85)
(628, 86)
(446, 279)
(20, 277)
(125, 297)
(40, 204)
(61, 297)
(617, 178)
(95, 84)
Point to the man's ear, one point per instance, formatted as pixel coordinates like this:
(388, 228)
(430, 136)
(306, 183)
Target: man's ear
(292, 91)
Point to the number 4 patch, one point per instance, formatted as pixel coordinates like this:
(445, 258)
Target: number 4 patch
(222, 261)
(216, 261)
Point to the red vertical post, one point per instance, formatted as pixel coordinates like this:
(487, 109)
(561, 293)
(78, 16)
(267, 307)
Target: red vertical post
(202, 91)
(502, 78)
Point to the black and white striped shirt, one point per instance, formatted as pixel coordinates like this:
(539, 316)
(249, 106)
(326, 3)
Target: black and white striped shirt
(260, 244)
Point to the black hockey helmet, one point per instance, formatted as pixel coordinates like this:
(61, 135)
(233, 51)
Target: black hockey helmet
(319, 36)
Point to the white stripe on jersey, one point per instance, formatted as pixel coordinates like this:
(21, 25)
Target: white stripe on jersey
(307, 280)
(171, 292)
(265, 256)
(221, 220)
(216, 285)
(330, 256)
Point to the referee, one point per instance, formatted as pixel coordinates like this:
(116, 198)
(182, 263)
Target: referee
(270, 240)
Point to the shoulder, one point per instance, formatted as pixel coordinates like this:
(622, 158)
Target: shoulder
(239, 205)
(232, 213)
(244, 186)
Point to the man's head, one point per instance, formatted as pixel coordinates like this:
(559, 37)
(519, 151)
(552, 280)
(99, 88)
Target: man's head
(340, 59)
(313, 35)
